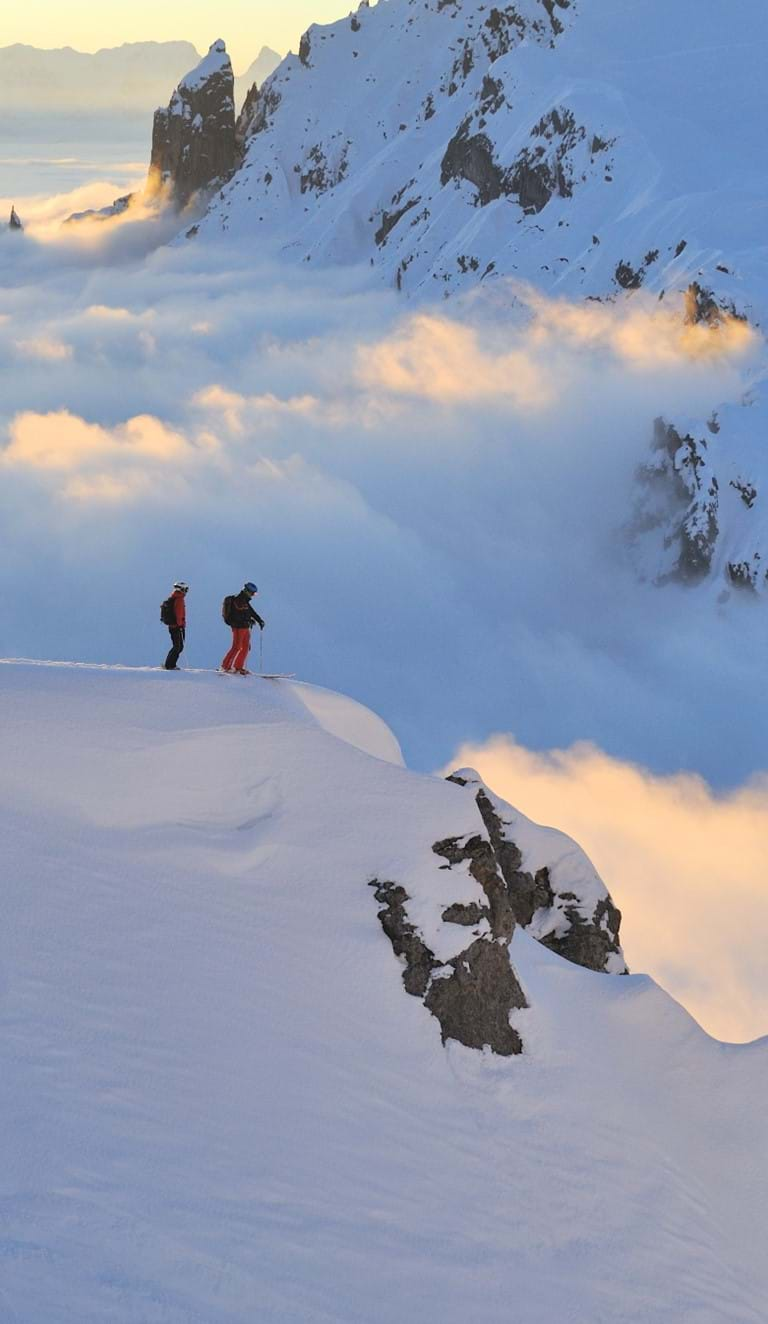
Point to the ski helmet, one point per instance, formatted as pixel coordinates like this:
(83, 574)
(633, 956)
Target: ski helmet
(250, 588)
(181, 585)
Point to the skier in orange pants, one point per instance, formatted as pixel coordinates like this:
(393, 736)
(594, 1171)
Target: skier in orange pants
(240, 616)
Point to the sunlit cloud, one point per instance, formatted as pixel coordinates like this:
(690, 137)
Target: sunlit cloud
(105, 313)
(46, 348)
(107, 489)
(62, 441)
(442, 360)
(638, 331)
(688, 868)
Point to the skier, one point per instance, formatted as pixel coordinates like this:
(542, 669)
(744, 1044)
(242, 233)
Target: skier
(173, 613)
(240, 616)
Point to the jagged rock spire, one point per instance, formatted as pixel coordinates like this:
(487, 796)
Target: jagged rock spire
(193, 139)
(15, 222)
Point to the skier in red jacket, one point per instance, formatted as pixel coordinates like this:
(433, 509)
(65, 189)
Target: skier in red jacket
(240, 616)
(178, 631)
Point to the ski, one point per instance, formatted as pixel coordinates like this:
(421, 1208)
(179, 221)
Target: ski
(261, 675)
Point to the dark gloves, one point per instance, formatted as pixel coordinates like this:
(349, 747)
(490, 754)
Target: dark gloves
(259, 621)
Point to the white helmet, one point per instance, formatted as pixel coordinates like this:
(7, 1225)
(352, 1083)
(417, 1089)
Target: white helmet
(181, 585)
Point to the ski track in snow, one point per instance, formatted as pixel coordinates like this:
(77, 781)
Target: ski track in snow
(217, 1102)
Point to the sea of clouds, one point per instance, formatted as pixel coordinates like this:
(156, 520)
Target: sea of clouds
(433, 501)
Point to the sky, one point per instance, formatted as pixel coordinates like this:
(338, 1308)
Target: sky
(245, 25)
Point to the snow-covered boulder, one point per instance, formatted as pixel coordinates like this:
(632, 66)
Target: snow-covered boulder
(193, 140)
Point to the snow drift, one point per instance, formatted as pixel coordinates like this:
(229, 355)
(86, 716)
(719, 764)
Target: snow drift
(220, 1103)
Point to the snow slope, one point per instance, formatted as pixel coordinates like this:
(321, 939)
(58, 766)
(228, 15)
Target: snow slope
(219, 1104)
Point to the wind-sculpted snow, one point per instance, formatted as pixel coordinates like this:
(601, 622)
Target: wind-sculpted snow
(217, 1096)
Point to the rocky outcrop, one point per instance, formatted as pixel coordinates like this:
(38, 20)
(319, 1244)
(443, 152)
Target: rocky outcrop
(702, 307)
(194, 145)
(562, 903)
(14, 222)
(257, 73)
(697, 500)
(472, 993)
(472, 996)
(117, 208)
(473, 989)
(540, 171)
(680, 494)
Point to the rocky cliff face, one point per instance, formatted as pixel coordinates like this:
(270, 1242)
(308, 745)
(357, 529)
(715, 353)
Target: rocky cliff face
(193, 140)
(506, 873)
(14, 221)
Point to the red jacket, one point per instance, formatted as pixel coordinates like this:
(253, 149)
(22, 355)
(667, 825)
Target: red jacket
(180, 608)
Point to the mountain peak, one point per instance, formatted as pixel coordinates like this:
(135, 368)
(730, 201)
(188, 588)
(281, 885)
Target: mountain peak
(193, 140)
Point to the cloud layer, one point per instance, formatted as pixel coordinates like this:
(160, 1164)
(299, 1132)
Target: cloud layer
(433, 500)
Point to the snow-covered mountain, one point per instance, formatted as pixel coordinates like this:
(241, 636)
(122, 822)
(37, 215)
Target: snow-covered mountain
(592, 151)
(223, 1097)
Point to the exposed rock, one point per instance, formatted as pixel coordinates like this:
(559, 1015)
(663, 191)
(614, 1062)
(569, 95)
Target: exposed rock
(473, 1001)
(256, 74)
(305, 49)
(550, 6)
(465, 915)
(681, 495)
(539, 172)
(390, 219)
(702, 307)
(117, 208)
(14, 222)
(746, 491)
(258, 110)
(471, 158)
(471, 994)
(628, 277)
(406, 942)
(581, 924)
(743, 575)
(320, 174)
(564, 906)
(527, 892)
(194, 145)
(479, 855)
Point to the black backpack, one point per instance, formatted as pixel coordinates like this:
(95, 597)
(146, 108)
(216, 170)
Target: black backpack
(227, 608)
(168, 611)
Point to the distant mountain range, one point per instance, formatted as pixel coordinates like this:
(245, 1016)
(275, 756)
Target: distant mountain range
(134, 77)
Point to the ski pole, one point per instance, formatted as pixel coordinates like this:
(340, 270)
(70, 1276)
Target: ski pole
(261, 650)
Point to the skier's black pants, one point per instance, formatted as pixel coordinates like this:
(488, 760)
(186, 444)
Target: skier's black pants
(177, 633)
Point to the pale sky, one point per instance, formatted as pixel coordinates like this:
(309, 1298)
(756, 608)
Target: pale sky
(245, 25)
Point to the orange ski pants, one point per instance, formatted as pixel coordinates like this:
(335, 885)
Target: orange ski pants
(238, 653)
